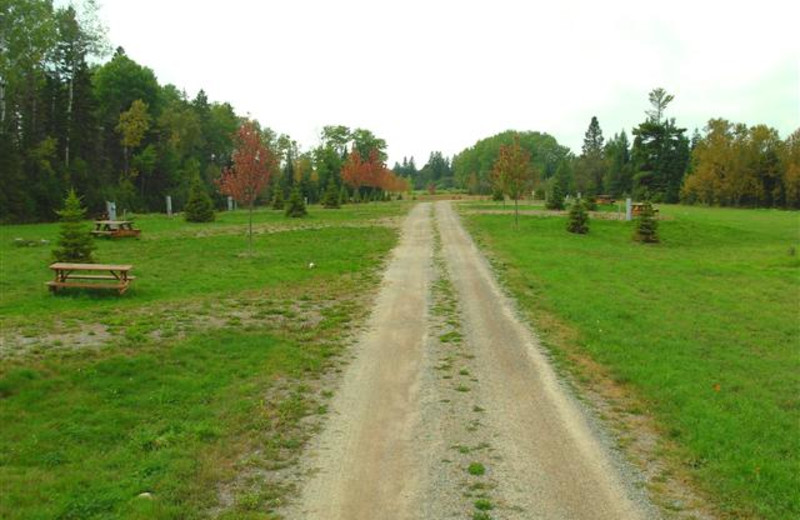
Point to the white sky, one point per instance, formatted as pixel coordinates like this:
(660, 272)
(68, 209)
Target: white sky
(439, 75)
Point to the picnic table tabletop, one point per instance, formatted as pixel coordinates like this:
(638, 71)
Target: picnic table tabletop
(65, 266)
(111, 222)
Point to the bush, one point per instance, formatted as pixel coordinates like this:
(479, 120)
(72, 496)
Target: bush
(75, 244)
(296, 207)
(277, 200)
(497, 195)
(578, 219)
(199, 207)
(591, 203)
(646, 225)
(330, 200)
(555, 200)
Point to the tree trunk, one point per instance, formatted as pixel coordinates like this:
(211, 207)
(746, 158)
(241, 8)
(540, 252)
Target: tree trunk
(69, 115)
(516, 213)
(250, 232)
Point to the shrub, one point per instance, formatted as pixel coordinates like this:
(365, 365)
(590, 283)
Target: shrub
(591, 203)
(556, 198)
(497, 195)
(330, 200)
(75, 244)
(296, 207)
(646, 225)
(578, 218)
(199, 207)
(277, 200)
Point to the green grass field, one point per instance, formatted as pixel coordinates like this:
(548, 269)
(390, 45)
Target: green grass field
(703, 327)
(205, 373)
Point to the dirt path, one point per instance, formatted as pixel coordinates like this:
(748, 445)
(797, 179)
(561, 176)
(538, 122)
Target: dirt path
(445, 376)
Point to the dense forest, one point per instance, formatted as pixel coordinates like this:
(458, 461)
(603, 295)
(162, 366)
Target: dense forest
(74, 115)
(112, 132)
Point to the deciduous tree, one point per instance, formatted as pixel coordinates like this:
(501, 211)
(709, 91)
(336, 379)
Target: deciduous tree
(253, 163)
(514, 173)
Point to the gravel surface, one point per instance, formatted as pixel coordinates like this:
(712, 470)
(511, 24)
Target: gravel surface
(450, 408)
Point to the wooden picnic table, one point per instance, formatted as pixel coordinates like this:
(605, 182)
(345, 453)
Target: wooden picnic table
(111, 276)
(115, 228)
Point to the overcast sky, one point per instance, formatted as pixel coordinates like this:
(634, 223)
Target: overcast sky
(439, 75)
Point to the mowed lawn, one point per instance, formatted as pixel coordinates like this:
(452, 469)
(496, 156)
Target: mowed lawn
(704, 327)
(204, 371)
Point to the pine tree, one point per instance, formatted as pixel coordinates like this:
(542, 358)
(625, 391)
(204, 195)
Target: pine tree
(296, 207)
(343, 196)
(277, 201)
(199, 207)
(578, 218)
(74, 242)
(330, 200)
(646, 225)
(556, 198)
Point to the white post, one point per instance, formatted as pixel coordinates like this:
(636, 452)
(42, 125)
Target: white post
(230, 203)
(169, 206)
(111, 210)
(628, 209)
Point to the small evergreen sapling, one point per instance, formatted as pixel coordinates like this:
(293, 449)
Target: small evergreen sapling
(646, 225)
(296, 207)
(578, 218)
(343, 196)
(331, 198)
(199, 207)
(556, 199)
(277, 200)
(75, 244)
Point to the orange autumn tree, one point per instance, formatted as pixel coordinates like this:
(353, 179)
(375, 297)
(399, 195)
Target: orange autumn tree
(371, 173)
(253, 164)
(514, 174)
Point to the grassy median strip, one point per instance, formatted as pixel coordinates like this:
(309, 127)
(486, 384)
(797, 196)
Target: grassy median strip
(703, 327)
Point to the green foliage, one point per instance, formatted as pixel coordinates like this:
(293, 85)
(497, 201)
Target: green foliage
(703, 328)
(497, 194)
(472, 167)
(330, 199)
(660, 154)
(75, 244)
(555, 199)
(199, 207)
(646, 225)
(297, 206)
(277, 199)
(578, 221)
(343, 196)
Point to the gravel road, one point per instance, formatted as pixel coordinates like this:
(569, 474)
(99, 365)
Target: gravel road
(417, 406)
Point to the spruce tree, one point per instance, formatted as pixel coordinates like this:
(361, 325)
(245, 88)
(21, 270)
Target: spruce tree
(343, 196)
(330, 200)
(296, 207)
(74, 242)
(277, 201)
(556, 198)
(199, 207)
(646, 225)
(578, 219)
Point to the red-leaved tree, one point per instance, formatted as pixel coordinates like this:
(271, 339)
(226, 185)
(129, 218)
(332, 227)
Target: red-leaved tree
(371, 173)
(253, 163)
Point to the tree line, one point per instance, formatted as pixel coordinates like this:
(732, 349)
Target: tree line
(728, 164)
(110, 131)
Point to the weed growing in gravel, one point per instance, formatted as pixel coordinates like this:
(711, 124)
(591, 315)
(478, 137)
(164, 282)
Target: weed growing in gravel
(476, 469)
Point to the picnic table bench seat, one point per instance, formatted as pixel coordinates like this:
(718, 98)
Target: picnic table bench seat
(80, 276)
